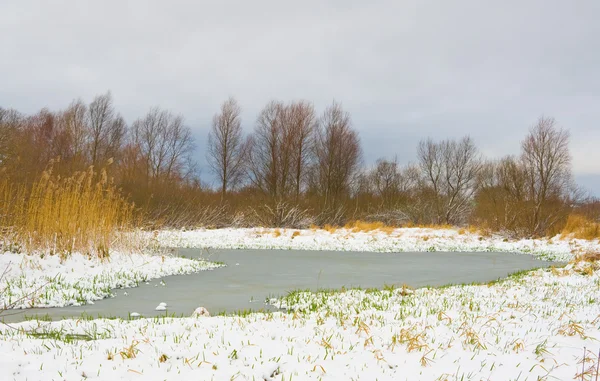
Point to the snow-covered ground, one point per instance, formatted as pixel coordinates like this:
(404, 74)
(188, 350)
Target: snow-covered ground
(541, 325)
(397, 240)
(527, 328)
(31, 281)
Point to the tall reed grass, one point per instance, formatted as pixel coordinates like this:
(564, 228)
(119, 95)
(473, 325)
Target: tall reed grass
(81, 213)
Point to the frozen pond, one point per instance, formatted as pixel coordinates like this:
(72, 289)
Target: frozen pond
(253, 275)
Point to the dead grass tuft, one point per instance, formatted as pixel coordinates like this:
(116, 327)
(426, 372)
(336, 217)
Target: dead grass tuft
(357, 226)
(330, 228)
(580, 227)
(588, 257)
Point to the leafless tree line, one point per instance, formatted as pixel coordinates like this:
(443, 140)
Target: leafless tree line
(295, 166)
(293, 154)
(156, 148)
(530, 194)
(290, 152)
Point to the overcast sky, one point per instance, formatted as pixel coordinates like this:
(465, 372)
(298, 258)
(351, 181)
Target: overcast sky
(404, 69)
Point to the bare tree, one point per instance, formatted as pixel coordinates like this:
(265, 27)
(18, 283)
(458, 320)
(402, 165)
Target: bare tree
(100, 115)
(450, 170)
(106, 129)
(266, 158)
(226, 146)
(74, 118)
(547, 164)
(164, 143)
(115, 138)
(39, 138)
(302, 123)
(338, 154)
(10, 120)
(281, 149)
(385, 179)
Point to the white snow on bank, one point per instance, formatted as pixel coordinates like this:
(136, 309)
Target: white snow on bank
(31, 281)
(398, 240)
(529, 328)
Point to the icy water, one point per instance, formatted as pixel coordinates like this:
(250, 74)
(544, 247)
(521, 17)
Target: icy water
(253, 275)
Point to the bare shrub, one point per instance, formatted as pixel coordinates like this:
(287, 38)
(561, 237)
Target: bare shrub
(389, 217)
(332, 216)
(186, 216)
(282, 215)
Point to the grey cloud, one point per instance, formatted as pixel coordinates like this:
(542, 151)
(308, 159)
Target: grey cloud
(404, 69)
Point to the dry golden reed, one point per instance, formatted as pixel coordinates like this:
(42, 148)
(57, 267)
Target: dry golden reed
(365, 226)
(579, 226)
(82, 213)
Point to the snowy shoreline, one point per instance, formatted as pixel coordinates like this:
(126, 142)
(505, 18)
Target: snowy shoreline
(31, 281)
(79, 279)
(392, 241)
(527, 327)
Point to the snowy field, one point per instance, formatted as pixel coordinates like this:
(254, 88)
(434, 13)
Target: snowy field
(540, 325)
(30, 281)
(396, 240)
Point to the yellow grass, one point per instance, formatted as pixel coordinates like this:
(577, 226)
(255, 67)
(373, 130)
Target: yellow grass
(578, 226)
(82, 213)
(364, 226)
(427, 226)
(330, 228)
(588, 257)
(474, 229)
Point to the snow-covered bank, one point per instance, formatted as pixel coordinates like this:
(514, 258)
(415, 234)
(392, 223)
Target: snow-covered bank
(32, 281)
(80, 279)
(526, 328)
(397, 240)
(529, 327)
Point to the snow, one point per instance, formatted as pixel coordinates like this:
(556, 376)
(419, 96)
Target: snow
(49, 282)
(398, 240)
(522, 328)
(542, 325)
